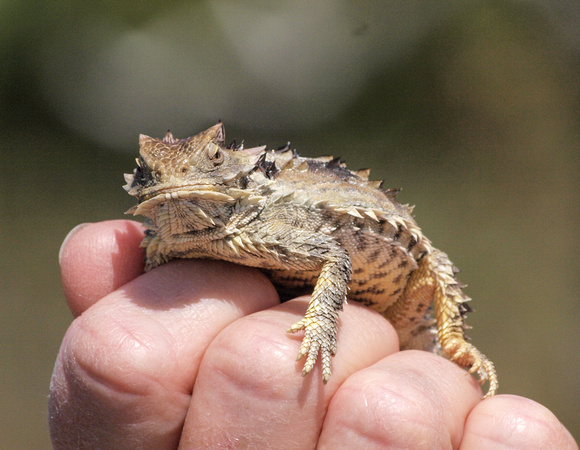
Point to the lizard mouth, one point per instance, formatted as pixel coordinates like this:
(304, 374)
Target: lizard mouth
(153, 199)
(190, 191)
(195, 191)
(141, 184)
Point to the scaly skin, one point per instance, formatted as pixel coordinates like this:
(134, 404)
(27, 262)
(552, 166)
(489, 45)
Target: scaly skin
(310, 223)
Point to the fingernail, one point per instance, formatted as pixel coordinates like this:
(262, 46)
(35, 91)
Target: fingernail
(70, 234)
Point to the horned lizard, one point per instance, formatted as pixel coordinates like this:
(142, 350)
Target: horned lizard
(308, 223)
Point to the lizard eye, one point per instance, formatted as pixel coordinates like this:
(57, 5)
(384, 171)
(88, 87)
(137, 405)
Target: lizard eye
(216, 156)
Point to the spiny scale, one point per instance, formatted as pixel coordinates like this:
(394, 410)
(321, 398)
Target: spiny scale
(309, 223)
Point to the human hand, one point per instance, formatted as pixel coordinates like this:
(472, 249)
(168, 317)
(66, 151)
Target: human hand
(195, 354)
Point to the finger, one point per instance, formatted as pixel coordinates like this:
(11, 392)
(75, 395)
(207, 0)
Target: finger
(411, 399)
(509, 421)
(250, 391)
(98, 258)
(126, 368)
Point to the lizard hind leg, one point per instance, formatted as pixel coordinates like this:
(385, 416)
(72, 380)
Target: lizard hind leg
(450, 312)
(434, 282)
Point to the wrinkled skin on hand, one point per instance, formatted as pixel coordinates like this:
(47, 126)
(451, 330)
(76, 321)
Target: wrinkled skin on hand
(178, 357)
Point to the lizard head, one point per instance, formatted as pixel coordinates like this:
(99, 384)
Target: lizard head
(201, 163)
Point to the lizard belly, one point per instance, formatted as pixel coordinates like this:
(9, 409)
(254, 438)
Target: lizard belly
(379, 274)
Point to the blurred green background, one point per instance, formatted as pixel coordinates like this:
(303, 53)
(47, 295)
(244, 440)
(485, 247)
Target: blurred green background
(472, 109)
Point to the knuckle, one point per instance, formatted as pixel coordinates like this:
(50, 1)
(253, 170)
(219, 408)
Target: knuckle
(392, 418)
(251, 354)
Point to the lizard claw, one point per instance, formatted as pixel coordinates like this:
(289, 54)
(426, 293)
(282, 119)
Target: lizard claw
(468, 356)
(300, 325)
(317, 339)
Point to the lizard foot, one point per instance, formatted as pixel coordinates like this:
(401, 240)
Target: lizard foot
(319, 337)
(470, 357)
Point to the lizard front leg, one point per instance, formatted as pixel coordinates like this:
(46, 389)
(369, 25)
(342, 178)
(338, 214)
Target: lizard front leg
(320, 322)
